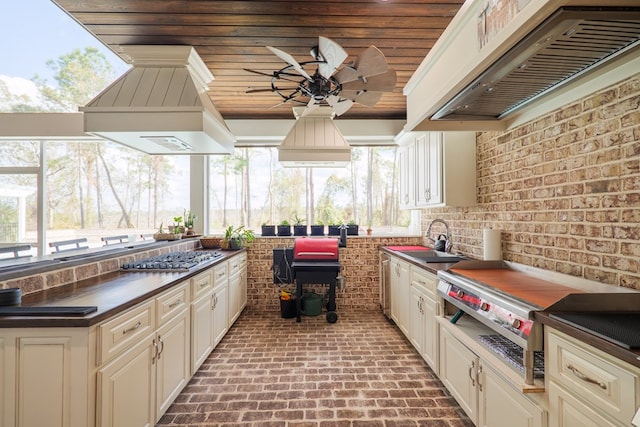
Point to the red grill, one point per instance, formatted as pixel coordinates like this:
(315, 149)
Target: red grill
(312, 249)
(315, 261)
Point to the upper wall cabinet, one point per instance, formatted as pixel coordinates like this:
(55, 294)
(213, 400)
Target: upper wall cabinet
(437, 169)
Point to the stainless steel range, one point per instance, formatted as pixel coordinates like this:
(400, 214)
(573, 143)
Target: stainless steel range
(504, 300)
(172, 261)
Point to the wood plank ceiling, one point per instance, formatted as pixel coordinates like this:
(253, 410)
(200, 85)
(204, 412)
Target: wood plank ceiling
(231, 36)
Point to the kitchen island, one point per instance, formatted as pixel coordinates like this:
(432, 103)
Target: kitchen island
(127, 360)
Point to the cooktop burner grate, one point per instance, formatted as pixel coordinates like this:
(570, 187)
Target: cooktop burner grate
(618, 328)
(512, 353)
(172, 261)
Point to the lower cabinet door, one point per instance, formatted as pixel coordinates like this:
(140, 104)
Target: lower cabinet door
(567, 411)
(458, 366)
(430, 343)
(172, 362)
(201, 331)
(220, 319)
(126, 388)
(500, 405)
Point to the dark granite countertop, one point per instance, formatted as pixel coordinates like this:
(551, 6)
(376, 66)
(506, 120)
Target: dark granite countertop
(112, 293)
(630, 356)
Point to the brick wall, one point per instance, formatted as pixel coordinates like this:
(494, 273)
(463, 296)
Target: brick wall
(359, 261)
(564, 188)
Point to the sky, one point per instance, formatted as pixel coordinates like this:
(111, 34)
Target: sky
(35, 31)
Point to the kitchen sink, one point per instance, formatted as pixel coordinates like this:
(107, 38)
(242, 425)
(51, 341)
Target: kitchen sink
(432, 256)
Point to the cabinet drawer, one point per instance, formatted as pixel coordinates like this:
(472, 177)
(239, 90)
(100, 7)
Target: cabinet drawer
(201, 284)
(219, 273)
(424, 279)
(172, 302)
(594, 376)
(237, 263)
(125, 330)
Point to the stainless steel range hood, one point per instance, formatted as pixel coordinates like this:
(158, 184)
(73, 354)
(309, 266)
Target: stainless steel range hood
(569, 44)
(496, 67)
(161, 105)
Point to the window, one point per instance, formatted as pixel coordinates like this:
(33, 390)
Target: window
(252, 188)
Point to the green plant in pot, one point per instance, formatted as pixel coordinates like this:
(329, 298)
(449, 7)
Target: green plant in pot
(317, 229)
(352, 228)
(268, 229)
(284, 228)
(178, 228)
(236, 237)
(189, 220)
(299, 229)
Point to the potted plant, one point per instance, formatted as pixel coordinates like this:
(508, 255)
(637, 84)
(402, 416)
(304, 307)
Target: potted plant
(284, 228)
(268, 230)
(189, 220)
(352, 228)
(334, 229)
(317, 229)
(177, 226)
(299, 229)
(236, 237)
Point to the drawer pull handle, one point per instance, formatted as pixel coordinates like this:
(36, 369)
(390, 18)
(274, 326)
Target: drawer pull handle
(585, 378)
(175, 304)
(203, 284)
(131, 329)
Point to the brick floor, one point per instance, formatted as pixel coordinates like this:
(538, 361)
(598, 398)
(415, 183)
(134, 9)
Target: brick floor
(270, 371)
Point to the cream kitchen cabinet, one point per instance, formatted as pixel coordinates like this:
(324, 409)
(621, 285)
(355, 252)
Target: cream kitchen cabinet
(237, 286)
(220, 303)
(137, 387)
(400, 293)
(40, 383)
(437, 169)
(201, 319)
(481, 390)
(588, 387)
(423, 329)
(407, 170)
(126, 387)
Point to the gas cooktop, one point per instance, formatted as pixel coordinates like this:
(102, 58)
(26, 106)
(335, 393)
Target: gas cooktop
(172, 261)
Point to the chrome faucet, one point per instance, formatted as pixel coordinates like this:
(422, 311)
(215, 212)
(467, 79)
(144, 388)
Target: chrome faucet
(448, 244)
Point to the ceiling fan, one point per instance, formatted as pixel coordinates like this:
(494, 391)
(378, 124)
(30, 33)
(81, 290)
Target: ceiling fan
(326, 80)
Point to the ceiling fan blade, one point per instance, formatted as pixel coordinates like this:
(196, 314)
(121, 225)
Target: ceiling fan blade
(332, 53)
(372, 62)
(340, 106)
(346, 75)
(366, 98)
(385, 82)
(291, 61)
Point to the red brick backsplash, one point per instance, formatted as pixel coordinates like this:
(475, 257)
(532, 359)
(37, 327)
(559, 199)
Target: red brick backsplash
(564, 188)
(359, 261)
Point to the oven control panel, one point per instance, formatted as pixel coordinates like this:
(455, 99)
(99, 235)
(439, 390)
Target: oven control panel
(492, 312)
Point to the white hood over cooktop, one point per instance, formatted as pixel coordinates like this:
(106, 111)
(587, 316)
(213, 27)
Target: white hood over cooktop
(161, 105)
